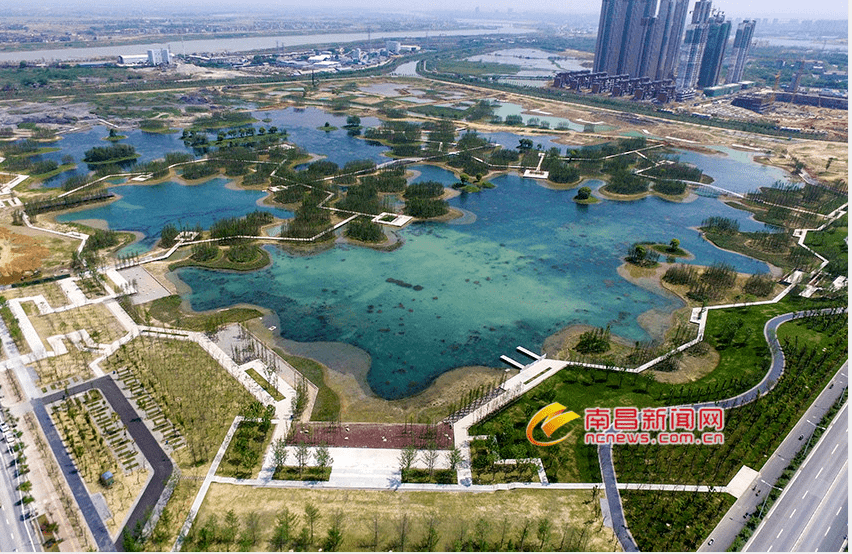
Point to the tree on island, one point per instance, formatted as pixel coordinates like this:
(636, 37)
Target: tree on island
(674, 244)
(584, 193)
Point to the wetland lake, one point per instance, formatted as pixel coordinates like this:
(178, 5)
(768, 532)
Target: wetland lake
(523, 263)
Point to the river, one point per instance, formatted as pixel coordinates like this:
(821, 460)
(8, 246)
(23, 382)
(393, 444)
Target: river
(244, 44)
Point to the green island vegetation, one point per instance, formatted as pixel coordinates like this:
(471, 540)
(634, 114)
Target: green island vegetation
(199, 170)
(223, 119)
(168, 310)
(327, 127)
(237, 257)
(672, 249)
(156, 127)
(244, 455)
(101, 155)
(365, 230)
(113, 136)
(776, 246)
(596, 341)
(814, 349)
(642, 255)
(584, 196)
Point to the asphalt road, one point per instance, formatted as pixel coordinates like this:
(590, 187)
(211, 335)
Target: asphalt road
(148, 445)
(806, 516)
(15, 536)
(731, 524)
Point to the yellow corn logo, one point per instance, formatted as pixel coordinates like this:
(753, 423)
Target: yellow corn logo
(553, 417)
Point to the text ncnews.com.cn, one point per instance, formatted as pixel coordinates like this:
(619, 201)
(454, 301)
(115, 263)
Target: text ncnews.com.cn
(659, 438)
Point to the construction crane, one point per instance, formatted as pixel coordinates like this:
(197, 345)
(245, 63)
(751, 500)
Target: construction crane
(775, 87)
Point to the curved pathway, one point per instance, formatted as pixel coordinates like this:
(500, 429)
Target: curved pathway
(160, 463)
(776, 368)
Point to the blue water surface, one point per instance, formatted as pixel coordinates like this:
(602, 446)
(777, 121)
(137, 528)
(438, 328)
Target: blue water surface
(530, 264)
(148, 208)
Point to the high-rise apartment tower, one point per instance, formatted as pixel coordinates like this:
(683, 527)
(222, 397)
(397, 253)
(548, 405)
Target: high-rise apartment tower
(640, 38)
(718, 32)
(742, 46)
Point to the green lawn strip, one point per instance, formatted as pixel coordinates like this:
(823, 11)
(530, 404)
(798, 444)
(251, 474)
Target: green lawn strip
(754, 430)
(738, 243)
(486, 472)
(288, 473)
(221, 261)
(61, 169)
(264, 384)
(167, 310)
(669, 521)
(439, 476)
(830, 244)
(244, 456)
(327, 406)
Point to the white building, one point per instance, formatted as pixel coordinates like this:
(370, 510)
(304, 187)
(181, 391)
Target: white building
(159, 56)
(134, 59)
(392, 46)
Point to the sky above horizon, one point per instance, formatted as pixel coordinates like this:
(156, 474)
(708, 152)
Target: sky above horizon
(782, 9)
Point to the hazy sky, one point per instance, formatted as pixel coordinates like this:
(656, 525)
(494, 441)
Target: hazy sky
(784, 9)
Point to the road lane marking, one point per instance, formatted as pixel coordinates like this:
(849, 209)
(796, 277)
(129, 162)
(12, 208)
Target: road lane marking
(793, 512)
(779, 533)
(804, 495)
(827, 530)
(835, 447)
(818, 472)
(838, 511)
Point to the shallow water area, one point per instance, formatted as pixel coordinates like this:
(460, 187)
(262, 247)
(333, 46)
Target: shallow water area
(531, 263)
(148, 208)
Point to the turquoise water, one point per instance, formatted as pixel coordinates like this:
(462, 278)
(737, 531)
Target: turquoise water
(148, 208)
(508, 108)
(336, 146)
(531, 263)
(734, 170)
(149, 146)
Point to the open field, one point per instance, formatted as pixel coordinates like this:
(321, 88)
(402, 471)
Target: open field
(372, 520)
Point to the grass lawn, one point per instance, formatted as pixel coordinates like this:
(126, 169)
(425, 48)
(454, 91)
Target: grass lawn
(743, 362)
(440, 476)
(666, 521)
(291, 473)
(378, 520)
(221, 261)
(264, 384)
(830, 243)
(244, 456)
(167, 310)
(327, 405)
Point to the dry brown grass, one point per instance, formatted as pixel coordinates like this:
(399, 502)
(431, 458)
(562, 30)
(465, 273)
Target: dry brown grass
(455, 511)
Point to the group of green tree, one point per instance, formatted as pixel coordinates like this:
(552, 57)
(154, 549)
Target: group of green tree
(248, 225)
(110, 154)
